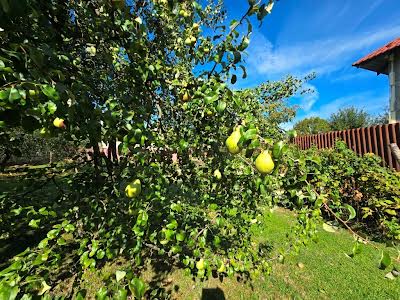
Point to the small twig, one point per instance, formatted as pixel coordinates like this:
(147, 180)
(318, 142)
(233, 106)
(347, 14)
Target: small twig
(327, 208)
(53, 178)
(230, 32)
(248, 163)
(200, 232)
(155, 248)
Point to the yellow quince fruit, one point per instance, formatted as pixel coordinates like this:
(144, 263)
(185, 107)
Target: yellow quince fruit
(264, 163)
(133, 189)
(232, 142)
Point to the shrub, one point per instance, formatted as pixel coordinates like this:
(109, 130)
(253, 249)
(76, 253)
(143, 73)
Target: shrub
(33, 149)
(312, 125)
(348, 182)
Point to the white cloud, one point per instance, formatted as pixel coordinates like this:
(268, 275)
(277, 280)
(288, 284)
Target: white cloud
(322, 56)
(307, 101)
(351, 76)
(368, 101)
(359, 18)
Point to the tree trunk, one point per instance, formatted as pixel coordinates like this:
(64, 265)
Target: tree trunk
(96, 159)
(3, 162)
(396, 151)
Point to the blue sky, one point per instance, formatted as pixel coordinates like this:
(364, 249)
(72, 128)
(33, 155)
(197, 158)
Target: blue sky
(325, 36)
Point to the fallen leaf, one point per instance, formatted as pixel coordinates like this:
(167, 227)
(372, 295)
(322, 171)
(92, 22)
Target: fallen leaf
(328, 228)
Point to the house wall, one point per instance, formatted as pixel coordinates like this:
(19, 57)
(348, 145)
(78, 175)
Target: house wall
(394, 82)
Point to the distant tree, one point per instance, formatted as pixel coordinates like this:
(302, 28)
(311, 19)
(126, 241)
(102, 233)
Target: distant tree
(380, 119)
(348, 118)
(312, 125)
(32, 148)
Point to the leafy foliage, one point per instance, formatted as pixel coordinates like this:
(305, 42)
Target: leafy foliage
(312, 125)
(33, 149)
(153, 75)
(139, 72)
(345, 118)
(357, 188)
(349, 118)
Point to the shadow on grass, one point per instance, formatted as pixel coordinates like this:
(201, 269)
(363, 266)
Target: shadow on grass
(212, 294)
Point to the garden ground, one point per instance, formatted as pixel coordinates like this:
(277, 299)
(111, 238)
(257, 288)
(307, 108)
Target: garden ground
(322, 270)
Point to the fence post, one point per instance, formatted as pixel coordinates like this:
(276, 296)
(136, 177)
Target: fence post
(380, 140)
(386, 140)
(394, 140)
(396, 151)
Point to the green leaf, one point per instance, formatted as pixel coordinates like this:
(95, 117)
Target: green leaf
(53, 234)
(356, 249)
(81, 295)
(34, 223)
(17, 265)
(237, 57)
(328, 228)
(176, 249)
(8, 292)
(292, 133)
(385, 260)
(95, 247)
(180, 236)
(4, 94)
(101, 294)
(183, 144)
(50, 92)
(51, 107)
(250, 134)
(351, 210)
(254, 144)
(278, 149)
(391, 212)
(211, 98)
(244, 71)
(119, 275)
(172, 225)
(233, 79)
(100, 254)
(44, 289)
(245, 43)
(14, 95)
(233, 24)
(121, 294)
(137, 287)
(61, 241)
(221, 106)
(69, 228)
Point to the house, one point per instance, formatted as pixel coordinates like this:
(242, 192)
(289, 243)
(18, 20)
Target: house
(386, 60)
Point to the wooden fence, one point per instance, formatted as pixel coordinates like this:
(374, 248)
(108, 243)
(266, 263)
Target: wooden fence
(373, 139)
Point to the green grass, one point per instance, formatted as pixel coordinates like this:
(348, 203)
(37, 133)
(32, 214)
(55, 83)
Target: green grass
(326, 271)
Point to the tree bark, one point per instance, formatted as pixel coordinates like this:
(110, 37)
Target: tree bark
(3, 162)
(96, 159)
(396, 151)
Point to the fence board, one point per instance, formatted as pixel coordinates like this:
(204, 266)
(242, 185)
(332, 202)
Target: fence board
(363, 141)
(386, 141)
(359, 144)
(373, 139)
(394, 139)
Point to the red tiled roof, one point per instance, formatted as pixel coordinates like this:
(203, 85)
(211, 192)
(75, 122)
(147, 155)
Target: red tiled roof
(388, 47)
